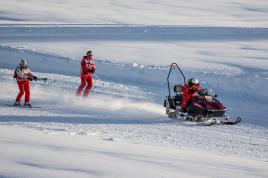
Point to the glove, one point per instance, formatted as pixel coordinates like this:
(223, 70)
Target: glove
(35, 78)
(29, 78)
(91, 71)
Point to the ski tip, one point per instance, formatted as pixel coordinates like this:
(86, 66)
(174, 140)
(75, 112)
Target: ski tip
(237, 121)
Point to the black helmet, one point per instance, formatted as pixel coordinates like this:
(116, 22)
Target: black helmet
(193, 81)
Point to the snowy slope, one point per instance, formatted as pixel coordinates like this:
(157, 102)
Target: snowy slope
(60, 131)
(246, 13)
(132, 113)
(124, 109)
(225, 57)
(122, 130)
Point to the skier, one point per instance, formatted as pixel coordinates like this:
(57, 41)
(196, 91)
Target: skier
(23, 76)
(189, 91)
(88, 68)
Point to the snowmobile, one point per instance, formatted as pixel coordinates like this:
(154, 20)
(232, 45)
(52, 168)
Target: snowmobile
(204, 109)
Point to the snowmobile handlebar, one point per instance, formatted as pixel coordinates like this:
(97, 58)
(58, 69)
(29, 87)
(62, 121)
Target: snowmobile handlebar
(174, 66)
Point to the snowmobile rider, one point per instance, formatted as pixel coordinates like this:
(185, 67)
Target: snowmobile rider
(88, 68)
(189, 91)
(23, 75)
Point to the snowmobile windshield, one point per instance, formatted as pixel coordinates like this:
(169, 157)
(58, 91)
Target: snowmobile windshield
(206, 88)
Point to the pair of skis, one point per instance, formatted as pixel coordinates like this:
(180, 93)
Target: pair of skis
(23, 106)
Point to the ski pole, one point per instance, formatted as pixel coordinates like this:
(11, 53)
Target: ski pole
(99, 78)
(42, 79)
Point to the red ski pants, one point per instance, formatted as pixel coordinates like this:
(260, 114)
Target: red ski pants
(85, 79)
(24, 87)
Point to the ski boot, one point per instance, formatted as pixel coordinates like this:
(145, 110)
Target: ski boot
(17, 104)
(27, 105)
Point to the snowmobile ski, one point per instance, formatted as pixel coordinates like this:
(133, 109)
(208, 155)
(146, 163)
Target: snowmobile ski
(228, 122)
(210, 121)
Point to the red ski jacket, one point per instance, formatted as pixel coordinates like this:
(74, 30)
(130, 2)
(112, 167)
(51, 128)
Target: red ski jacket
(87, 66)
(188, 94)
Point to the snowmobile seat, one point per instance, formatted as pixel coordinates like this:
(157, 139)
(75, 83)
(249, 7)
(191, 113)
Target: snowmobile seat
(175, 100)
(178, 94)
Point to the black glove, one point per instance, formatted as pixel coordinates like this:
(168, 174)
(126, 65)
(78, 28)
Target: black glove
(35, 78)
(29, 78)
(91, 71)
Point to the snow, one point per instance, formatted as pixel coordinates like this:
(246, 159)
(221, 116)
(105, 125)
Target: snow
(228, 50)
(88, 156)
(121, 130)
(246, 13)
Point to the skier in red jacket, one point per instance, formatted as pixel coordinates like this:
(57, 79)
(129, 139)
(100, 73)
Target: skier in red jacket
(189, 91)
(23, 76)
(88, 68)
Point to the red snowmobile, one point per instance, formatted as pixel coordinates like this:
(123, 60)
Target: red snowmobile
(205, 108)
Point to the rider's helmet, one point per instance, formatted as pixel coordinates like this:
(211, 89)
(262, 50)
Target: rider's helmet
(193, 81)
(193, 84)
(23, 63)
